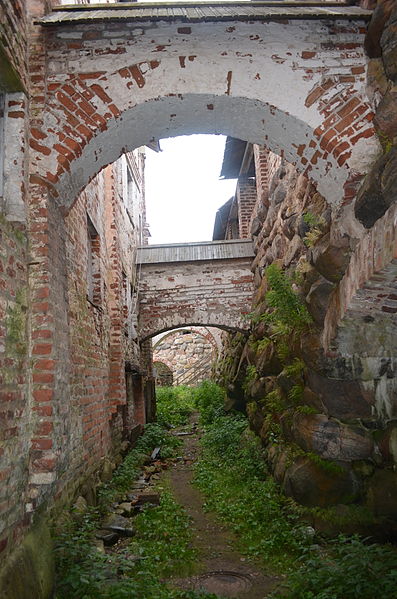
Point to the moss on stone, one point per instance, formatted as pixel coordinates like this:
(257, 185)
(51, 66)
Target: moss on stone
(29, 571)
(16, 325)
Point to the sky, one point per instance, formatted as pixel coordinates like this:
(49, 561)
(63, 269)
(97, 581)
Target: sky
(183, 190)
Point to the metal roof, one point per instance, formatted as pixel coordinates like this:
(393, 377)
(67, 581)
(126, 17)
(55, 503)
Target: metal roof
(201, 11)
(191, 252)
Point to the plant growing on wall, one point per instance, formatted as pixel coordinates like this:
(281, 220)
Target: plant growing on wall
(316, 226)
(288, 316)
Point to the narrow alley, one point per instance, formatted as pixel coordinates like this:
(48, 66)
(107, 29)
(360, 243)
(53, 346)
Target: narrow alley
(196, 517)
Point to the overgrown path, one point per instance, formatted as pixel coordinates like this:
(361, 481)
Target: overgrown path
(220, 568)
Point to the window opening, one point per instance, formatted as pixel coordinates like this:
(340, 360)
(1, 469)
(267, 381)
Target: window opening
(93, 264)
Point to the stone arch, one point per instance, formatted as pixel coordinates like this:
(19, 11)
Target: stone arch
(149, 334)
(160, 79)
(206, 334)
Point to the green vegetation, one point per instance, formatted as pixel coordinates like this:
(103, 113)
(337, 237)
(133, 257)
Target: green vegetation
(16, 325)
(317, 228)
(162, 540)
(250, 376)
(350, 569)
(174, 405)
(270, 527)
(288, 317)
(209, 399)
(233, 476)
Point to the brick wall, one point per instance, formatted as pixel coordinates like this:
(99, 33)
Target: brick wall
(207, 292)
(13, 45)
(14, 384)
(246, 199)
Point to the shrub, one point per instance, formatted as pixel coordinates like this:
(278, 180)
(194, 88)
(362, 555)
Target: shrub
(210, 401)
(174, 405)
(352, 569)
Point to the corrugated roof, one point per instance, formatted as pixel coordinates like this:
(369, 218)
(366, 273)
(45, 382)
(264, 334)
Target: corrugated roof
(191, 252)
(195, 12)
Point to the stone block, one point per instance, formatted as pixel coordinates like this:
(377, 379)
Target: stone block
(313, 485)
(331, 439)
(382, 493)
(341, 398)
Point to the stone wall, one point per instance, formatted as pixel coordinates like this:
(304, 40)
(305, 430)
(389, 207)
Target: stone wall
(188, 353)
(318, 372)
(327, 431)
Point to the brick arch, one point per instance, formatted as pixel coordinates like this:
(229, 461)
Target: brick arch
(302, 95)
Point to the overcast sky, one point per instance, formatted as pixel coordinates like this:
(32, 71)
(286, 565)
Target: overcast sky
(183, 190)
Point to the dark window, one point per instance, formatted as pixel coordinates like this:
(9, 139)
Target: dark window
(93, 264)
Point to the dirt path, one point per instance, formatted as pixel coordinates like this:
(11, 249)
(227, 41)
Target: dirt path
(221, 569)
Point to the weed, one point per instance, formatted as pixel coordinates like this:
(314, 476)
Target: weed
(164, 538)
(233, 476)
(305, 409)
(296, 368)
(162, 543)
(317, 225)
(251, 375)
(210, 400)
(351, 569)
(295, 394)
(289, 316)
(174, 405)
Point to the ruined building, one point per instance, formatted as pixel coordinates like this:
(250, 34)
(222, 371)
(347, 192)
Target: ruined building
(307, 95)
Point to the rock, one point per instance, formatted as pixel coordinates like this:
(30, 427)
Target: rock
(118, 524)
(149, 497)
(280, 466)
(317, 300)
(267, 361)
(257, 388)
(126, 508)
(331, 439)
(100, 545)
(331, 259)
(108, 538)
(313, 485)
(377, 83)
(387, 443)
(341, 399)
(378, 191)
(389, 46)
(88, 491)
(386, 115)
(312, 399)
(155, 453)
(79, 509)
(382, 493)
(381, 14)
(255, 416)
(293, 250)
(106, 470)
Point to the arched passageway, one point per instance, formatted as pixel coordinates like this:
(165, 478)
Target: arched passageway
(144, 80)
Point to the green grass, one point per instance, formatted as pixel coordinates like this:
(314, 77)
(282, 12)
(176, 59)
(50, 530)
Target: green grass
(232, 475)
(164, 538)
(162, 541)
(351, 569)
(174, 405)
